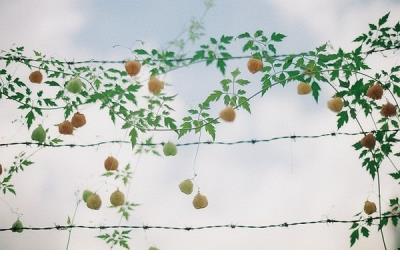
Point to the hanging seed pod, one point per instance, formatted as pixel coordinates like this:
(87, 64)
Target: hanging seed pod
(368, 141)
(254, 65)
(369, 207)
(39, 134)
(132, 67)
(111, 163)
(117, 198)
(335, 104)
(78, 120)
(375, 91)
(36, 77)
(169, 149)
(228, 114)
(200, 201)
(186, 186)
(155, 85)
(388, 110)
(17, 226)
(303, 88)
(93, 202)
(66, 128)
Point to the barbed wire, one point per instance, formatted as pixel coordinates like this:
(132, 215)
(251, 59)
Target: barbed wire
(183, 59)
(250, 141)
(187, 228)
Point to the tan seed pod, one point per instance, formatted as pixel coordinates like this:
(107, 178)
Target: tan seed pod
(93, 202)
(66, 128)
(117, 198)
(303, 88)
(254, 65)
(78, 120)
(335, 104)
(388, 110)
(111, 163)
(36, 77)
(368, 141)
(200, 201)
(132, 67)
(155, 85)
(228, 114)
(369, 207)
(375, 91)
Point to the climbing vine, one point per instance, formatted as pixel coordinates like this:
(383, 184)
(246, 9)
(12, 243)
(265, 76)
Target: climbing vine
(138, 97)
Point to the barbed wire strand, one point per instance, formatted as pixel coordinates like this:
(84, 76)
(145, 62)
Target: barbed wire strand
(187, 228)
(248, 141)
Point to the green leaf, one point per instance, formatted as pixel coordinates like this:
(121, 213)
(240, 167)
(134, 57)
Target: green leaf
(277, 37)
(354, 237)
(364, 231)
(383, 19)
(133, 137)
(343, 118)
(210, 130)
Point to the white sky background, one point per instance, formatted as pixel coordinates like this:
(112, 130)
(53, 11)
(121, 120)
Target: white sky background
(269, 183)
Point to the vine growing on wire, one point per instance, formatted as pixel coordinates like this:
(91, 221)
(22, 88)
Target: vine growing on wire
(137, 96)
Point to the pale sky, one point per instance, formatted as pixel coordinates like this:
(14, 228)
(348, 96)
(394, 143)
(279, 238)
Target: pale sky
(268, 183)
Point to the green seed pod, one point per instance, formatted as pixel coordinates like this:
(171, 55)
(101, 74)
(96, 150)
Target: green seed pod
(39, 134)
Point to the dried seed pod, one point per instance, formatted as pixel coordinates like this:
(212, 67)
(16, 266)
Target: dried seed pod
(375, 91)
(369, 207)
(303, 88)
(388, 110)
(132, 67)
(36, 77)
(111, 163)
(66, 128)
(200, 201)
(228, 114)
(93, 202)
(335, 104)
(368, 141)
(117, 198)
(78, 120)
(254, 65)
(155, 85)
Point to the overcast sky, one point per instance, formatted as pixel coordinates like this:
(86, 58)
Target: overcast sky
(267, 183)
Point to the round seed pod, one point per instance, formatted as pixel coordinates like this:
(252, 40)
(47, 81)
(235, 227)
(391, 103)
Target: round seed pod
(200, 201)
(36, 77)
(375, 91)
(335, 104)
(170, 149)
(132, 67)
(368, 141)
(111, 163)
(155, 85)
(74, 85)
(39, 134)
(254, 65)
(369, 207)
(78, 120)
(86, 195)
(66, 128)
(93, 202)
(17, 226)
(388, 110)
(117, 198)
(228, 114)
(186, 186)
(303, 88)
